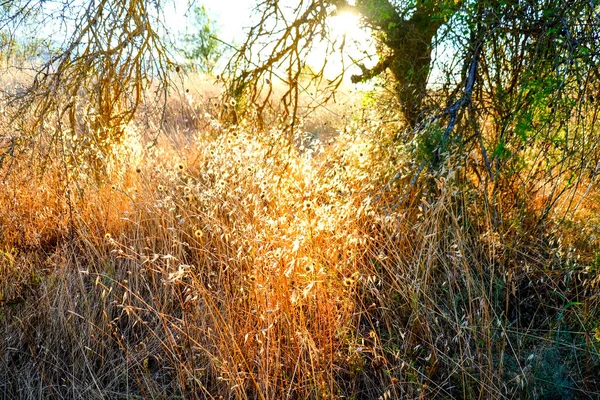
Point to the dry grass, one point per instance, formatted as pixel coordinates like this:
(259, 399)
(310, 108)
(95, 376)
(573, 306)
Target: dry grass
(224, 262)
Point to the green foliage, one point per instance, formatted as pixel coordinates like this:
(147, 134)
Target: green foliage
(21, 44)
(429, 143)
(551, 376)
(202, 48)
(21, 51)
(369, 99)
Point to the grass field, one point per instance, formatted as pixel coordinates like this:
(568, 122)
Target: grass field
(230, 262)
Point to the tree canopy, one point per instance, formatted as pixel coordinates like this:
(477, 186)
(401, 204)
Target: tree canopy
(201, 45)
(101, 57)
(521, 64)
(506, 33)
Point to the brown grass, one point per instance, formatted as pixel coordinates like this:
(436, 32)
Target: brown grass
(223, 262)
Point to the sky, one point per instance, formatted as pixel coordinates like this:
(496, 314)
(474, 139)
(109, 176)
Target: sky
(234, 17)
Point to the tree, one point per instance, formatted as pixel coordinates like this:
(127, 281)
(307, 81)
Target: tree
(408, 36)
(106, 54)
(519, 107)
(202, 48)
(527, 67)
(405, 32)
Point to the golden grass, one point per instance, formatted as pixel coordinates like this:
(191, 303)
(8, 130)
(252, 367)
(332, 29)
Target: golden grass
(225, 263)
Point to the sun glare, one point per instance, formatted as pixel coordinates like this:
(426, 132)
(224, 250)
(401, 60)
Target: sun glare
(344, 27)
(346, 23)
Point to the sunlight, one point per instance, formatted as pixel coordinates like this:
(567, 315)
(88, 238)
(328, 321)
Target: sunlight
(310, 222)
(344, 27)
(346, 23)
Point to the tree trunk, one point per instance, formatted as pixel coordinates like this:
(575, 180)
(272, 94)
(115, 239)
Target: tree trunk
(408, 44)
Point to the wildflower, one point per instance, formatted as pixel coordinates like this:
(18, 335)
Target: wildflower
(597, 334)
(160, 188)
(187, 189)
(107, 236)
(348, 282)
(232, 102)
(198, 234)
(180, 167)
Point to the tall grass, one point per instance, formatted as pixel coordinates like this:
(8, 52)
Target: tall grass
(227, 262)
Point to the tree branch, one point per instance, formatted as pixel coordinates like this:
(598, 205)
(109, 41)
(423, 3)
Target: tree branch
(373, 72)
